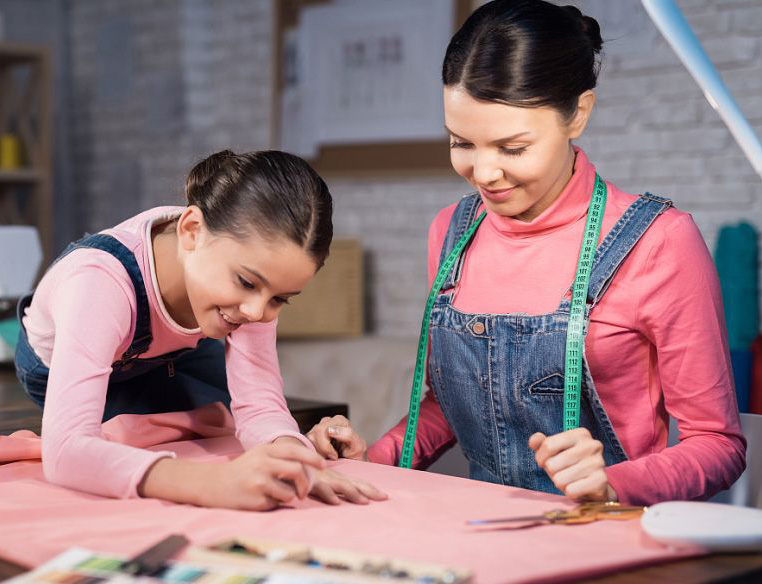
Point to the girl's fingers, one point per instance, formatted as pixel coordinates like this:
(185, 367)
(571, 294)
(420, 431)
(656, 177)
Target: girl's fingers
(295, 472)
(343, 486)
(370, 491)
(298, 453)
(279, 490)
(350, 492)
(323, 491)
(266, 503)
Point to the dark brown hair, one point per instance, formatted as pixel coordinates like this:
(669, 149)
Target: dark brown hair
(271, 193)
(526, 53)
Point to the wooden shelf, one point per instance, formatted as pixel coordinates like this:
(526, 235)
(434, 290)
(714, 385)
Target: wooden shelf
(18, 53)
(26, 89)
(21, 176)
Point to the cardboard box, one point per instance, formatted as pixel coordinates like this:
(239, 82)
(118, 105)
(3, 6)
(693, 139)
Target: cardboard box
(331, 305)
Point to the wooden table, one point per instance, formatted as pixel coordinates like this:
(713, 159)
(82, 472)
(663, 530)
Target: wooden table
(17, 412)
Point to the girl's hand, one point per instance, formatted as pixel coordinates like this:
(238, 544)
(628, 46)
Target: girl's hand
(330, 485)
(574, 462)
(334, 437)
(262, 478)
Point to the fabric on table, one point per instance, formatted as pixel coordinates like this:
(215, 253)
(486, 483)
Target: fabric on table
(424, 518)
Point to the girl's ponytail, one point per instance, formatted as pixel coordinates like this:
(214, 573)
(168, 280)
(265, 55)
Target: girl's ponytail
(272, 193)
(197, 185)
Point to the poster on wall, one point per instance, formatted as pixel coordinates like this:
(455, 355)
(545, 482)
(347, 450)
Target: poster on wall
(364, 72)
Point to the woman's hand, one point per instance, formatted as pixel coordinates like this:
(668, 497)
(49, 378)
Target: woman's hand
(334, 437)
(260, 479)
(574, 462)
(330, 485)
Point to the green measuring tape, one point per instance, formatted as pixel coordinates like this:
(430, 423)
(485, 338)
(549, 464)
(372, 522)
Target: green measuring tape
(575, 339)
(574, 336)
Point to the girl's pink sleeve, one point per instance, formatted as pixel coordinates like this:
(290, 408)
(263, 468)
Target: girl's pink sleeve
(93, 316)
(433, 436)
(256, 386)
(681, 314)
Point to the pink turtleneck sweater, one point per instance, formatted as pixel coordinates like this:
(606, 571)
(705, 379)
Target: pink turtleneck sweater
(656, 343)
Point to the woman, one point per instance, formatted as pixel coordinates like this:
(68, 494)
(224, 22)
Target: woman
(518, 89)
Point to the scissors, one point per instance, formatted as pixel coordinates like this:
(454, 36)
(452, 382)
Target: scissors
(584, 513)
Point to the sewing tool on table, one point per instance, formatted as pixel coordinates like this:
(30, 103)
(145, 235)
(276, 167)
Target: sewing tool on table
(584, 513)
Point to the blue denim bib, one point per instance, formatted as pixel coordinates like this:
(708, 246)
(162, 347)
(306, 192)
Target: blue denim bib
(499, 378)
(176, 381)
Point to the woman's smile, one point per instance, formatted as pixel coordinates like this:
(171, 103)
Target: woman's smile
(497, 195)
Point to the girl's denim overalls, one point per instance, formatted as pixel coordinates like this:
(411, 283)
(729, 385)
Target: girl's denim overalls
(177, 381)
(499, 378)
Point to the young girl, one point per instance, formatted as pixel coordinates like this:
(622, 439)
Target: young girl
(518, 88)
(124, 322)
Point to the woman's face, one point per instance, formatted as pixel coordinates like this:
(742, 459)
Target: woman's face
(232, 281)
(519, 159)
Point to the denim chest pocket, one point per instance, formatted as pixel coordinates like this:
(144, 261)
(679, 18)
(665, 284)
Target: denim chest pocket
(550, 385)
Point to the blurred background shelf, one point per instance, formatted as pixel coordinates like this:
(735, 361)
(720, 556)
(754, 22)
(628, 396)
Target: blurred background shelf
(26, 138)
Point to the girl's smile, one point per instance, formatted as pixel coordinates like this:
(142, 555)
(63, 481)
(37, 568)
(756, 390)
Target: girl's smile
(218, 283)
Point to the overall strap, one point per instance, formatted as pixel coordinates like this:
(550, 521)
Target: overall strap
(464, 215)
(142, 338)
(620, 240)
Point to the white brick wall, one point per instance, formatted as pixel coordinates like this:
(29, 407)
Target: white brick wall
(652, 130)
(199, 79)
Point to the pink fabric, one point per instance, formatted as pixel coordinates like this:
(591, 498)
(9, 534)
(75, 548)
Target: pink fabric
(656, 344)
(140, 431)
(80, 339)
(423, 520)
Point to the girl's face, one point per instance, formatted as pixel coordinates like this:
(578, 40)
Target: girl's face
(231, 281)
(519, 159)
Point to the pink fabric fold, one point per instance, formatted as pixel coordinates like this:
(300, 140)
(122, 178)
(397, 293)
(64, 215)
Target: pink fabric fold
(140, 431)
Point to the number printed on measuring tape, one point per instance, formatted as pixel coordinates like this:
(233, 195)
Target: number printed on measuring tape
(575, 339)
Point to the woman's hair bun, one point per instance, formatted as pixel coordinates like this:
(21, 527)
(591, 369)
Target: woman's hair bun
(590, 27)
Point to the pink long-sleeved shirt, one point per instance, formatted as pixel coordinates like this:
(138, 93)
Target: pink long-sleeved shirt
(81, 320)
(656, 343)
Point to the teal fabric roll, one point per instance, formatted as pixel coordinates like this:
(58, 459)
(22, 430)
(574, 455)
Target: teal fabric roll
(9, 331)
(737, 261)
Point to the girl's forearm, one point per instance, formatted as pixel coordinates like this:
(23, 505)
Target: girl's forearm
(176, 480)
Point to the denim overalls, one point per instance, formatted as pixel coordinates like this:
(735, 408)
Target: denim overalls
(499, 378)
(177, 381)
